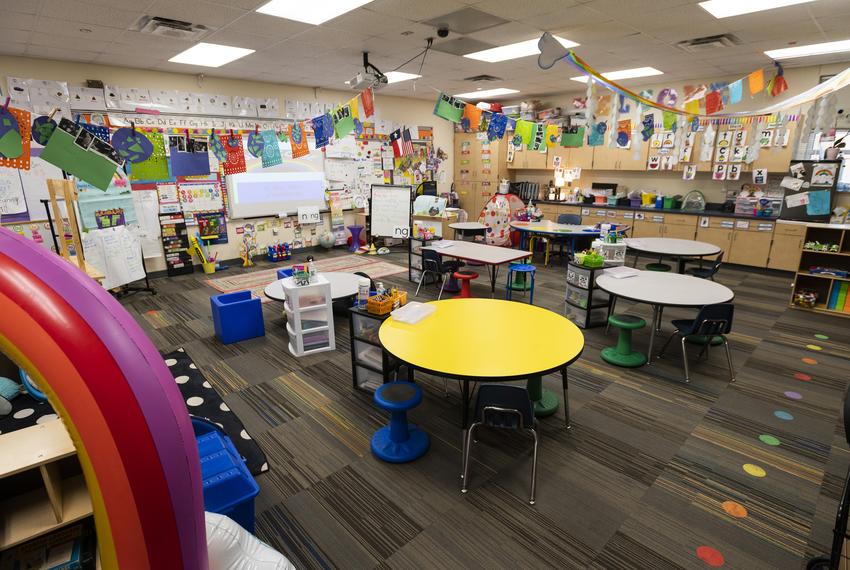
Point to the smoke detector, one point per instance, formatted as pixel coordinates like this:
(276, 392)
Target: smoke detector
(709, 43)
(176, 29)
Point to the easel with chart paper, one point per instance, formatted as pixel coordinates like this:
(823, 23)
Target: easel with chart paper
(66, 190)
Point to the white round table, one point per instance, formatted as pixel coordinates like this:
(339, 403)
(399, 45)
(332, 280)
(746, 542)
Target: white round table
(673, 247)
(342, 285)
(661, 290)
(464, 229)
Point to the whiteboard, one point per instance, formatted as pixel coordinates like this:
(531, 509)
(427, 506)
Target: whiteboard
(390, 208)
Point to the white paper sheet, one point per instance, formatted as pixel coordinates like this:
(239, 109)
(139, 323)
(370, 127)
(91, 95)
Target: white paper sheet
(12, 199)
(148, 229)
(117, 253)
(795, 200)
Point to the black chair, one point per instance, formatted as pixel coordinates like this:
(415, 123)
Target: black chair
(504, 407)
(707, 272)
(371, 281)
(711, 321)
(433, 263)
(572, 219)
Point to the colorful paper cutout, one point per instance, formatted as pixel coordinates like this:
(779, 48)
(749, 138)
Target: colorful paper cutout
(449, 108)
(271, 149)
(572, 137)
(155, 166)
(298, 140)
(235, 162)
(22, 160)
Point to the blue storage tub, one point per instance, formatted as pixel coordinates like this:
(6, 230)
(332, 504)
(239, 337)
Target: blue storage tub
(283, 273)
(229, 489)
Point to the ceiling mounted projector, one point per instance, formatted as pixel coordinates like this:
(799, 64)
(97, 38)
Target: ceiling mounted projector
(371, 76)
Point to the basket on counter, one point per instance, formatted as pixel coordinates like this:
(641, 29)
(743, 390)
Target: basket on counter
(383, 304)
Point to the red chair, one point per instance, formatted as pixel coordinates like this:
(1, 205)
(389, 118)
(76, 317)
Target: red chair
(465, 278)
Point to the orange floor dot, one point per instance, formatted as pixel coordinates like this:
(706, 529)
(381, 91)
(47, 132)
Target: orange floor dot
(734, 509)
(710, 556)
(808, 360)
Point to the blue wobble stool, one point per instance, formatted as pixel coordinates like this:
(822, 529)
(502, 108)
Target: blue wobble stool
(237, 316)
(399, 442)
(520, 269)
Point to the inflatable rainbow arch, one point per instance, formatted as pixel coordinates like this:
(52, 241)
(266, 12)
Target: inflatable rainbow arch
(119, 402)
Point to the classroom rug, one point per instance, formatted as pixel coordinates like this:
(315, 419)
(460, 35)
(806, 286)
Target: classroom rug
(256, 281)
(203, 401)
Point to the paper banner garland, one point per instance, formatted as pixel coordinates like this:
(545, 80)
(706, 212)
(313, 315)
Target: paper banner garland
(553, 134)
(271, 150)
(597, 134)
(343, 121)
(22, 161)
(298, 140)
(713, 103)
(647, 127)
(322, 129)
(538, 139)
(755, 81)
(449, 108)
(193, 162)
(42, 129)
(256, 142)
(368, 102)
(131, 145)
(471, 117)
(624, 133)
(497, 126)
(736, 91)
(217, 147)
(235, 162)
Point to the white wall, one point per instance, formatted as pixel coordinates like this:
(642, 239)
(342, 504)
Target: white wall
(412, 112)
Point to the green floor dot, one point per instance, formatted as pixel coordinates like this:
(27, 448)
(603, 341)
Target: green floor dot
(769, 439)
(821, 336)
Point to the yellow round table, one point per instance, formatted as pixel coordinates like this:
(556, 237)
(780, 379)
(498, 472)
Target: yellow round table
(489, 340)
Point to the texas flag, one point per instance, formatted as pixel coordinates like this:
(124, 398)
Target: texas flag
(397, 143)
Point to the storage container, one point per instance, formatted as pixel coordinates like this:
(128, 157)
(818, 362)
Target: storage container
(579, 297)
(228, 487)
(668, 202)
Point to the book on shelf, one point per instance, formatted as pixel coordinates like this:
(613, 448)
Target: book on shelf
(842, 296)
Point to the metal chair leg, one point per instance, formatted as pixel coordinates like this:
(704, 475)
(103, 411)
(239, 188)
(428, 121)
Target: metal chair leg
(666, 344)
(612, 304)
(466, 453)
(446, 387)
(421, 279)
(729, 360)
(685, 360)
(533, 467)
(442, 284)
(704, 350)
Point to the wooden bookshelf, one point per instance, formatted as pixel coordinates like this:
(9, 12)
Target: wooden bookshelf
(59, 502)
(824, 285)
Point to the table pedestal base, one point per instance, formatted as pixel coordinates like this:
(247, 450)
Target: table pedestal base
(545, 402)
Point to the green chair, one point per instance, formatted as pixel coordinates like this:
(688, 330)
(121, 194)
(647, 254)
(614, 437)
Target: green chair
(622, 354)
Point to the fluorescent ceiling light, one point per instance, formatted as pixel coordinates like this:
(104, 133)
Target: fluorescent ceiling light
(727, 8)
(486, 93)
(312, 11)
(513, 51)
(813, 49)
(396, 76)
(624, 74)
(210, 55)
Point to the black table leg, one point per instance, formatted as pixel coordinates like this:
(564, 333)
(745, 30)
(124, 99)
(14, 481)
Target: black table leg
(566, 387)
(492, 280)
(464, 424)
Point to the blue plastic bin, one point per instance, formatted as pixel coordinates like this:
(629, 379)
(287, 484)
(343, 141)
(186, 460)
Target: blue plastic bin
(283, 273)
(237, 316)
(229, 489)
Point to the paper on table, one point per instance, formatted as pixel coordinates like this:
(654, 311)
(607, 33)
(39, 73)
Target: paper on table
(621, 272)
(442, 244)
(795, 200)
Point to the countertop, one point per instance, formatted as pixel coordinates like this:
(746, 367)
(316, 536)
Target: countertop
(717, 213)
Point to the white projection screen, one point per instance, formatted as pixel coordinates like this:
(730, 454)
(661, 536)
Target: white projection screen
(280, 188)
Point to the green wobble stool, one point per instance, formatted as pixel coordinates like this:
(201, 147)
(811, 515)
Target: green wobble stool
(622, 354)
(658, 267)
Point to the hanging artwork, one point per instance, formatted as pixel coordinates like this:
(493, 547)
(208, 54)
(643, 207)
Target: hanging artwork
(624, 133)
(689, 172)
(449, 108)
(155, 166)
(343, 121)
(271, 150)
(132, 145)
(733, 171)
(713, 103)
(538, 141)
(322, 129)
(298, 140)
(255, 145)
(235, 162)
(653, 162)
(496, 128)
(525, 131)
(597, 134)
(647, 126)
(553, 134)
(718, 172)
(766, 138)
(572, 136)
(19, 150)
(368, 102)
(216, 147)
(471, 118)
(42, 129)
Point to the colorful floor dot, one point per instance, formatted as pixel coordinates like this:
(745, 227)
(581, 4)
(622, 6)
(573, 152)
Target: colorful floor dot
(754, 470)
(809, 360)
(793, 395)
(734, 509)
(802, 377)
(769, 439)
(783, 415)
(710, 556)
(814, 347)
(821, 336)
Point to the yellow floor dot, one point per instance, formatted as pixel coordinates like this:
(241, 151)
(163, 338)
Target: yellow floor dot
(754, 470)
(813, 347)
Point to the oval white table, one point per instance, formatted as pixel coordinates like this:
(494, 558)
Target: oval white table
(664, 290)
(683, 249)
(473, 229)
(342, 285)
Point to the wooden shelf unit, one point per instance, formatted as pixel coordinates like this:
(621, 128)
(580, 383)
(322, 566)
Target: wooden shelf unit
(823, 284)
(60, 502)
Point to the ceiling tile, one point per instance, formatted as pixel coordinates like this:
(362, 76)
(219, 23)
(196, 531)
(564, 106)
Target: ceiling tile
(10, 48)
(15, 36)
(507, 34)
(17, 21)
(269, 26)
(416, 11)
(58, 27)
(566, 20)
(233, 38)
(513, 10)
(196, 12)
(75, 11)
(369, 23)
(22, 6)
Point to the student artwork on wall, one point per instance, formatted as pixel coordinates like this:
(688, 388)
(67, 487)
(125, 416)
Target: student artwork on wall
(624, 133)
(235, 162)
(689, 172)
(766, 138)
(80, 153)
(572, 136)
(155, 167)
(189, 157)
(271, 150)
(298, 140)
(653, 162)
(718, 172)
(733, 171)
(15, 138)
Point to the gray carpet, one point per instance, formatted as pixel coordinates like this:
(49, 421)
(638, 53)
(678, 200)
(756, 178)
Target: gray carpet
(651, 475)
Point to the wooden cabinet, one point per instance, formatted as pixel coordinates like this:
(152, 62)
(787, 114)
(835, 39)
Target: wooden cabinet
(651, 225)
(466, 194)
(477, 159)
(750, 246)
(777, 158)
(718, 232)
(559, 151)
(581, 157)
(786, 247)
(680, 226)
